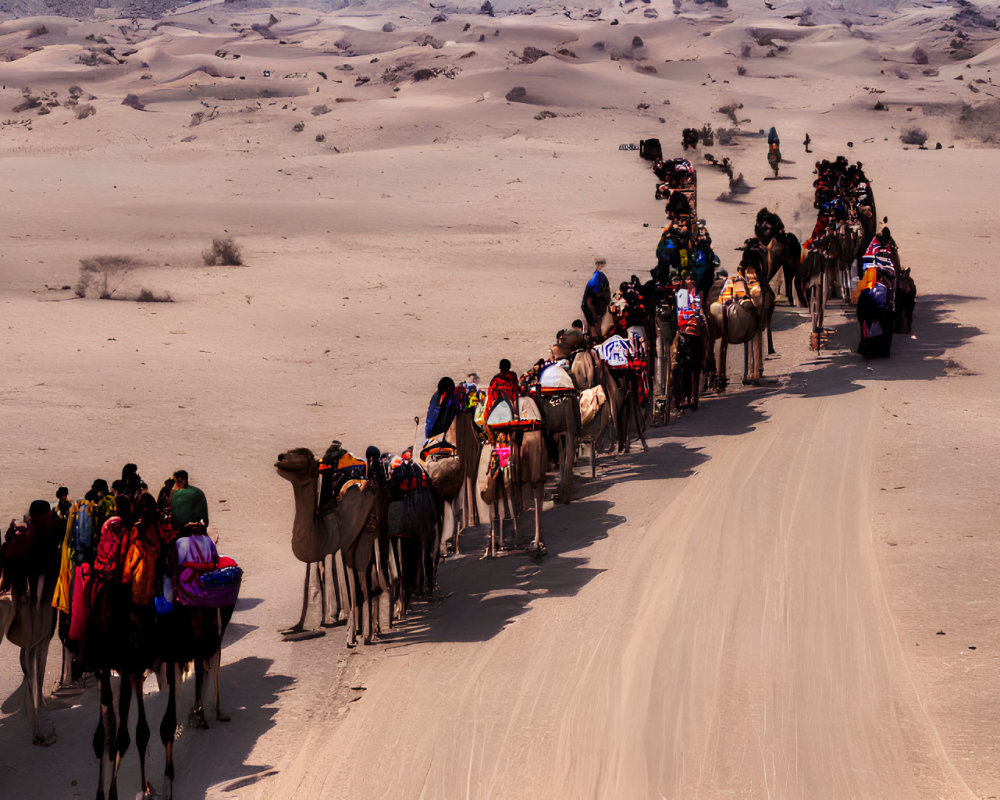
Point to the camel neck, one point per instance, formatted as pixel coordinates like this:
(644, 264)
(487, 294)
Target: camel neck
(307, 534)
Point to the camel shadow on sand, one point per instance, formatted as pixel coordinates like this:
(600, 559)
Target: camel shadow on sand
(484, 596)
(840, 370)
(203, 758)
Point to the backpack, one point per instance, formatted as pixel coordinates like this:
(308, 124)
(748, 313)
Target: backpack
(81, 531)
(109, 561)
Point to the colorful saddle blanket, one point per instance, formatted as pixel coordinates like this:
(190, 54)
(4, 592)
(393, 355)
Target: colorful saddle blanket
(616, 351)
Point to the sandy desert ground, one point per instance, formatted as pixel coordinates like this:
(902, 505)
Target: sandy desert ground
(793, 594)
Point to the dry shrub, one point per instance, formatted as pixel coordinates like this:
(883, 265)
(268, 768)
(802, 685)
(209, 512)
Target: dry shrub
(147, 296)
(223, 253)
(730, 111)
(980, 122)
(103, 274)
(915, 136)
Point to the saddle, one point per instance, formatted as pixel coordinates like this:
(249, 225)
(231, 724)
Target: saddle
(444, 467)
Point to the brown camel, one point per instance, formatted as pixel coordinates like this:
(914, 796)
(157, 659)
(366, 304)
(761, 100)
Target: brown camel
(462, 433)
(506, 483)
(561, 414)
(744, 321)
(29, 622)
(590, 374)
(336, 532)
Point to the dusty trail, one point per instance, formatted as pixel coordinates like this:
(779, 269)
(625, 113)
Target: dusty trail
(723, 645)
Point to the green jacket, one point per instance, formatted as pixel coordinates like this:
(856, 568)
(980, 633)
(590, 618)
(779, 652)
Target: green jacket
(189, 505)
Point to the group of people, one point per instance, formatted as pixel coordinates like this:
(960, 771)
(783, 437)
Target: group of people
(117, 546)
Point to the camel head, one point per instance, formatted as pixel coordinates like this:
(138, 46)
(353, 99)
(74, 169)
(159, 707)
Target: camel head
(296, 464)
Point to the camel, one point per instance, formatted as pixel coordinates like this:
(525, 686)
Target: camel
(783, 250)
(906, 302)
(415, 516)
(187, 634)
(744, 322)
(624, 388)
(462, 434)
(561, 415)
(29, 624)
(315, 536)
(590, 373)
(27, 618)
(505, 482)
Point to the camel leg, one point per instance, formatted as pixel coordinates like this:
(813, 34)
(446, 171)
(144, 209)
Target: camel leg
(324, 580)
(539, 490)
(722, 368)
(141, 733)
(168, 728)
(366, 607)
(196, 717)
(746, 363)
(104, 736)
(401, 598)
(300, 625)
(352, 601)
(565, 476)
(215, 666)
(495, 522)
(508, 505)
(593, 457)
(326, 573)
(342, 600)
(770, 344)
(383, 585)
(758, 357)
(122, 740)
(638, 423)
(449, 526)
(473, 507)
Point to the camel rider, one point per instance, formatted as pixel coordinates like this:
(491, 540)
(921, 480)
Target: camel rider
(442, 409)
(673, 251)
(596, 294)
(188, 504)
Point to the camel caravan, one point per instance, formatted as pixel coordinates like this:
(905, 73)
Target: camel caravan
(848, 257)
(135, 585)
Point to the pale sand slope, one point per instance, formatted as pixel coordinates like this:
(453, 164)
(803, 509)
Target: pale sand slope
(752, 608)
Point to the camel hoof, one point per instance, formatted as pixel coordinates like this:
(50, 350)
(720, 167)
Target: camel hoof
(44, 741)
(302, 636)
(196, 719)
(222, 716)
(293, 629)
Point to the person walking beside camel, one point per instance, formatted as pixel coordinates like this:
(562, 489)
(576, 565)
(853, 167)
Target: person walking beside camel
(187, 503)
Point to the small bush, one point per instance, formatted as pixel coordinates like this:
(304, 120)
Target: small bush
(915, 136)
(223, 253)
(919, 56)
(147, 296)
(730, 111)
(103, 274)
